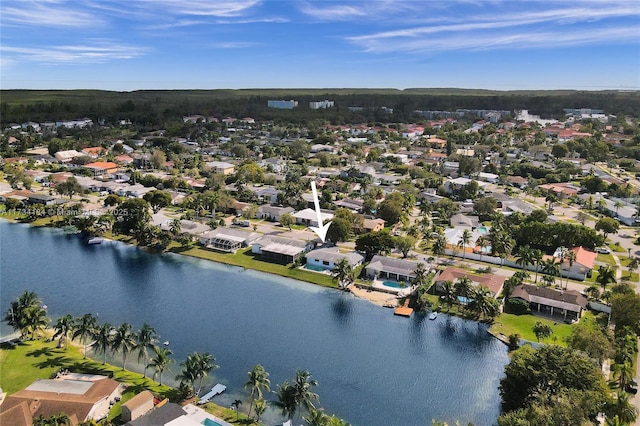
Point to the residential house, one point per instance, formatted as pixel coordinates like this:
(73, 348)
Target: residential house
(326, 258)
(272, 213)
(227, 239)
(101, 168)
(67, 156)
(82, 397)
(221, 167)
(569, 304)
(494, 283)
(373, 225)
(462, 220)
(351, 204)
(42, 199)
(382, 267)
(93, 152)
(280, 249)
(458, 183)
(172, 414)
(582, 267)
(309, 217)
(137, 406)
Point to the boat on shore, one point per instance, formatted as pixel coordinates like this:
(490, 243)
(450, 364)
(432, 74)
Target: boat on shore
(95, 240)
(433, 316)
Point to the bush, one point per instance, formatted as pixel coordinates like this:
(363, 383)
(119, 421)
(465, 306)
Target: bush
(517, 307)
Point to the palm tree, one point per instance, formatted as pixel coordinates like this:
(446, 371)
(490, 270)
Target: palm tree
(303, 386)
(175, 227)
(260, 408)
(146, 339)
(483, 303)
(35, 319)
(634, 263)
(160, 361)
(316, 417)
(124, 340)
(205, 366)
(103, 337)
(440, 245)
(606, 275)
(624, 373)
(622, 409)
(448, 293)
(617, 206)
(548, 280)
(287, 401)
(464, 241)
(482, 242)
(343, 273)
(462, 288)
(236, 405)
(16, 316)
(420, 275)
(550, 267)
(525, 257)
(63, 327)
(537, 258)
(571, 257)
(501, 244)
(258, 381)
(189, 373)
(84, 327)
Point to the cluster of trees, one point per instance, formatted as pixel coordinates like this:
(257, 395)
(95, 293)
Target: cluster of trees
(28, 315)
(381, 242)
(477, 300)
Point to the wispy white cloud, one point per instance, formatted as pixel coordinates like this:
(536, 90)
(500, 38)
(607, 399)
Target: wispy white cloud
(553, 26)
(98, 51)
(334, 12)
(205, 7)
(233, 45)
(49, 13)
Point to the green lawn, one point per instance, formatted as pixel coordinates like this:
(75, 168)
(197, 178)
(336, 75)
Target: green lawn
(508, 324)
(606, 258)
(21, 365)
(248, 260)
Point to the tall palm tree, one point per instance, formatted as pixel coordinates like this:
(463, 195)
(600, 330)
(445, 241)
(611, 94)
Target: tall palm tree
(103, 337)
(448, 293)
(537, 258)
(63, 327)
(482, 242)
(85, 327)
(257, 383)
(124, 340)
(465, 240)
(440, 245)
(624, 373)
(525, 257)
(634, 263)
(260, 408)
(175, 227)
(343, 273)
(571, 257)
(462, 287)
(420, 275)
(550, 267)
(16, 315)
(236, 406)
(35, 320)
(622, 409)
(189, 373)
(287, 401)
(146, 339)
(316, 417)
(303, 385)
(205, 364)
(160, 361)
(606, 275)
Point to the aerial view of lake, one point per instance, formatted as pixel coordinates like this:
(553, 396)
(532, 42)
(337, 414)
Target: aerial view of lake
(372, 368)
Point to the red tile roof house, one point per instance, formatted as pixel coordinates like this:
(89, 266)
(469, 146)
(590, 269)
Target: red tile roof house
(492, 282)
(581, 267)
(101, 168)
(80, 396)
(569, 304)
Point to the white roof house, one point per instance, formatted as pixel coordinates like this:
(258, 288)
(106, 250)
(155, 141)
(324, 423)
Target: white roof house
(67, 156)
(309, 217)
(327, 258)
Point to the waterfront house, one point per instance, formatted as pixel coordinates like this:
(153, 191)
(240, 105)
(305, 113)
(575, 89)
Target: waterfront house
(137, 406)
(171, 414)
(227, 239)
(42, 199)
(569, 304)
(280, 249)
(82, 397)
(382, 267)
(326, 258)
(492, 282)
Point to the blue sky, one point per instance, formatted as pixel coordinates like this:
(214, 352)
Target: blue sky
(212, 44)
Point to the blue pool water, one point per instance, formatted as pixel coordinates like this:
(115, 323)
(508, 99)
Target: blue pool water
(209, 422)
(314, 268)
(392, 284)
(483, 229)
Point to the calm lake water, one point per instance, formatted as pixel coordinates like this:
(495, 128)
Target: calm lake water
(372, 368)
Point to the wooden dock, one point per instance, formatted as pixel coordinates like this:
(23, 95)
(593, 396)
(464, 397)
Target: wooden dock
(404, 310)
